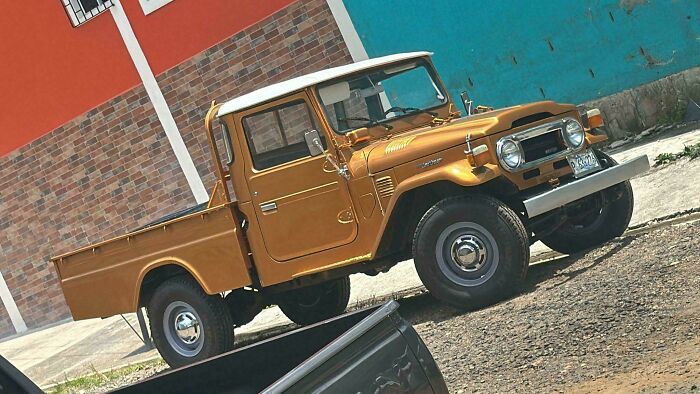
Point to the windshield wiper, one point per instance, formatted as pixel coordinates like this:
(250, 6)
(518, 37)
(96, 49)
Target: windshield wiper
(407, 110)
(369, 121)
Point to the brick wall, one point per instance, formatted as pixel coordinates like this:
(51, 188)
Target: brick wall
(112, 169)
(297, 40)
(99, 175)
(5, 322)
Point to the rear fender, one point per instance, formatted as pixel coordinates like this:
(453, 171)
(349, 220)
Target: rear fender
(166, 262)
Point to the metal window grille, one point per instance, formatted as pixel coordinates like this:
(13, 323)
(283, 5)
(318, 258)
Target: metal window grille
(81, 11)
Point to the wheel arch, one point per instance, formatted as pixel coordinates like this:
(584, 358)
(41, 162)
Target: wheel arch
(407, 210)
(157, 273)
(415, 195)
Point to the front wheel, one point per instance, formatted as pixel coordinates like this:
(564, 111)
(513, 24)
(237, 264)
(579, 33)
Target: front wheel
(598, 219)
(315, 303)
(471, 251)
(187, 324)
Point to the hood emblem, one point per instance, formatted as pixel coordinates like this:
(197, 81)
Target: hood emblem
(397, 145)
(429, 163)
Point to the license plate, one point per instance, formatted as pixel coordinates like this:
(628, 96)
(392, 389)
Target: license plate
(583, 163)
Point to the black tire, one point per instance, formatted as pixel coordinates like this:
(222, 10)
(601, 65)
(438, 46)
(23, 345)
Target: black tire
(316, 303)
(613, 218)
(182, 298)
(481, 224)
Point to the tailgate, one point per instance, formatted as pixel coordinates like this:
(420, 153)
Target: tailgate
(104, 279)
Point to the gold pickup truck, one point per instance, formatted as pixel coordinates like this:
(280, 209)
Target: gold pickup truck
(353, 169)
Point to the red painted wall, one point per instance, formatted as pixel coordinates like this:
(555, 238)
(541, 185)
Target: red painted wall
(183, 28)
(52, 72)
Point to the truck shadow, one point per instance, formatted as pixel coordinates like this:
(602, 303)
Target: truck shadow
(541, 272)
(425, 308)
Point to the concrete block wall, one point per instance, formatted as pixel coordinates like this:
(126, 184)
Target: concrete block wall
(660, 102)
(112, 168)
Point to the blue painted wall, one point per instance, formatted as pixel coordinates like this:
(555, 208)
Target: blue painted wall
(515, 51)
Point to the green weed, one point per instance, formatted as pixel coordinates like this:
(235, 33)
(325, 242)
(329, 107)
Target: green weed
(98, 379)
(689, 151)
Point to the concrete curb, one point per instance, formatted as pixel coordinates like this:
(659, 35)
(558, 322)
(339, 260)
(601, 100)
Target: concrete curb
(667, 220)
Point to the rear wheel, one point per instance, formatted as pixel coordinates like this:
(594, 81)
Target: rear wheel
(600, 218)
(471, 251)
(187, 324)
(316, 303)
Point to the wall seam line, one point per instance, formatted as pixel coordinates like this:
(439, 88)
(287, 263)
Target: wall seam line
(347, 30)
(159, 103)
(11, 306)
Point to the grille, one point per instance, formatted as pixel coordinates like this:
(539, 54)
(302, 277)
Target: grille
(385, 187)
(544, 145)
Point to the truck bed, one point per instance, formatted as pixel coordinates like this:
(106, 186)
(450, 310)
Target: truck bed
(104, 279)
(173, 216)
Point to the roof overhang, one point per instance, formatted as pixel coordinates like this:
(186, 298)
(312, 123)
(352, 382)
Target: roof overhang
(284, 88)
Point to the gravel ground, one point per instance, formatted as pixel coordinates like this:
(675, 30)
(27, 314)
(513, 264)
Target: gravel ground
(621, 318)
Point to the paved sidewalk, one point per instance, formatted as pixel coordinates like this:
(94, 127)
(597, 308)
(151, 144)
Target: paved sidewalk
(77, 348)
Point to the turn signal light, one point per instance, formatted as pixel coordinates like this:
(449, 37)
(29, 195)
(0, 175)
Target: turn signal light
(595, 119)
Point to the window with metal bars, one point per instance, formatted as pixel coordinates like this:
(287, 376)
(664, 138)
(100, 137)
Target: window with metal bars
(81, 11)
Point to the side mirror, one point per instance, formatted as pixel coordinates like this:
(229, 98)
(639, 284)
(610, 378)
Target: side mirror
(313, 142)
(468, 103)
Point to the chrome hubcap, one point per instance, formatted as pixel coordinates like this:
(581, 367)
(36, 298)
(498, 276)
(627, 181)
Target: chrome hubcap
(469, 253)
(187, 327)
(183, 328)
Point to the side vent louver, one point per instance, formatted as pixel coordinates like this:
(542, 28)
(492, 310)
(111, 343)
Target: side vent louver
(385, 187)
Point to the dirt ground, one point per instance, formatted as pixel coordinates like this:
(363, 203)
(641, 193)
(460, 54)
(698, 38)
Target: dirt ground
(621, 318)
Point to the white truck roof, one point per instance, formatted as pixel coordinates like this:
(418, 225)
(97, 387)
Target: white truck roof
(295, 84)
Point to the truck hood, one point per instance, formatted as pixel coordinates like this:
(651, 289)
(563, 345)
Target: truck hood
(426, 140)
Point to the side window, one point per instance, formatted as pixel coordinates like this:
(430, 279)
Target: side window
(276, 136)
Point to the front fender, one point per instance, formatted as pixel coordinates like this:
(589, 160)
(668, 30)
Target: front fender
(459, 172)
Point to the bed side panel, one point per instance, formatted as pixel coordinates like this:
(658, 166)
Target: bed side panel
(105, 280)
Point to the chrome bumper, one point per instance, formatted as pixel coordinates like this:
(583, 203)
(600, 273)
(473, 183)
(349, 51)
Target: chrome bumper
(583, 187)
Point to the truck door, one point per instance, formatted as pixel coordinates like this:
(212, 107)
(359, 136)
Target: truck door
(301, 203)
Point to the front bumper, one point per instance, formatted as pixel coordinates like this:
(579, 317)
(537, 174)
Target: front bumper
(583, 187)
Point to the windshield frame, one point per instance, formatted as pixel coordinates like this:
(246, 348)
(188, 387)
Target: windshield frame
(420, 62)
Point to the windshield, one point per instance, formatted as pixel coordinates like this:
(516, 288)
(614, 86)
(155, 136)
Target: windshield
(379, 96)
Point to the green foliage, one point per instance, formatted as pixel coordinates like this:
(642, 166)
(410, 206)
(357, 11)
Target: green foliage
(665, 158)
(689, 151)
(673, 117)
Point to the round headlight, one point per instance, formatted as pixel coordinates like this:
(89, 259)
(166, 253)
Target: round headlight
(510, 154)
(574, 133)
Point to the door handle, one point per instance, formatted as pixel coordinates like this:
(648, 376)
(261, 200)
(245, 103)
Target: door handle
(269, 206)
